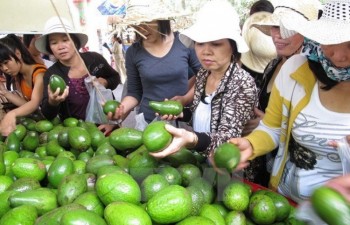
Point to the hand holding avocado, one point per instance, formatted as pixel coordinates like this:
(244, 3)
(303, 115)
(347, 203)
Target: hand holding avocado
(330, 205)
(57, 90)
(246, 151)
(181, 138)
(168, 109)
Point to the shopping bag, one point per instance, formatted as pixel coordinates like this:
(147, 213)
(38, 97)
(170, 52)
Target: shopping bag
(98, 95)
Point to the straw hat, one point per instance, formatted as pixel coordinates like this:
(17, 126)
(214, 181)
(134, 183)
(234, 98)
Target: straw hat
(262, 49)
(54, 25)
(297, 9)
(139, 11)
(332, 28)
(216, 20)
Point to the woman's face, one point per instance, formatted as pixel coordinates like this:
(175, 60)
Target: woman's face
(148, 30)
(10, 67)
(214, 55)
(286, 47)
(338, 54)
(62, 48)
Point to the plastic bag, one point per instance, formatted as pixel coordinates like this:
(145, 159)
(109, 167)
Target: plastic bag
(98, 94)
(306, 213)
(141, 123)
(344, 154)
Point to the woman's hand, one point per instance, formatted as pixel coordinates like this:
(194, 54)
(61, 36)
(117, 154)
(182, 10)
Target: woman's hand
(342, 185)
(8, 124)
(118, 114)
(106, 128)
(170, 117)
(252, 124)
(3, 89)
(55, 98)
(102, 81)
(246, 151)
(181, 138)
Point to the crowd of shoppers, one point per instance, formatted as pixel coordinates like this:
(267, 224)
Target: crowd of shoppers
(293, 110)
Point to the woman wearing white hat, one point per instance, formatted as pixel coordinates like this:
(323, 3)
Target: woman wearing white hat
(308, 112)
(286, 44)
(157, 64)
(74, 100)
(225, 95)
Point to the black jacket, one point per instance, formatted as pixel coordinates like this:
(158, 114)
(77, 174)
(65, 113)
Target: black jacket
(97, 66)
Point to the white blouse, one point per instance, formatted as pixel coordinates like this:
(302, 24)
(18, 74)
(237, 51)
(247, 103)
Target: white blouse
(202, 115)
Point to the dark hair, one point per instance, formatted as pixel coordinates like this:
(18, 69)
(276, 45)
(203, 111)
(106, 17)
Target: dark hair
(27, 38)
(8, 47)
(74, 37)
(261, 6)
(164, 27)
(117, 38)
(235, 53)
(321, 75)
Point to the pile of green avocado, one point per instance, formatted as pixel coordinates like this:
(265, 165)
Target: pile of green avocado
(68, 172)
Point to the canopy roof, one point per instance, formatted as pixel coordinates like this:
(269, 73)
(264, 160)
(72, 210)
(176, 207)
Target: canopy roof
(29, 16)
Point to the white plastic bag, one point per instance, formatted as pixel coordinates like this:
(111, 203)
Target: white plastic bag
(306, 213)
(98, 94)
(141, 123)
(344, 154)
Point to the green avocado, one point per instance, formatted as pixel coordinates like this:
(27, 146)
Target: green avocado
(125, 138)
(170, 107)
(79, 138)
(227, 156)
(57, 82)
(43, 199)
(110, 106)
(331, 206)
(155, 137)
(12, 142)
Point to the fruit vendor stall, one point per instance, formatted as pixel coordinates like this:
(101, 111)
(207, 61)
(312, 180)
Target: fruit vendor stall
(69, 172)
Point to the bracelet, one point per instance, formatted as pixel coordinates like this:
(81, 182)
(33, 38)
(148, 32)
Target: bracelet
(194, 142)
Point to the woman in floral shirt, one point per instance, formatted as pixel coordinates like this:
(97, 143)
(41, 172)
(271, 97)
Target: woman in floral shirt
(225, 95)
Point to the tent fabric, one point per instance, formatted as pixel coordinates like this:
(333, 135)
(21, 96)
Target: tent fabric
(29, 16)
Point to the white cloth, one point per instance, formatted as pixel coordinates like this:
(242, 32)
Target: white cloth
(202, 115)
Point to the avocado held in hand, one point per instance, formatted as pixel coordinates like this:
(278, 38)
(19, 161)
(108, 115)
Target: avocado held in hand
(155, 137)
(57, 82)
(110, 106)
(331, 206)
(227, 156)
(170, 107)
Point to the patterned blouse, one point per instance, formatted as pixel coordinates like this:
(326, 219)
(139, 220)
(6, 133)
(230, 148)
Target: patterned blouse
(232, 106)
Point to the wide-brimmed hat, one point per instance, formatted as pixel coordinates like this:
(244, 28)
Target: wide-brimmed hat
(216, 20)
(332, 28)
(54, 25)
(261, 47)
(140, 11)
(302, 9)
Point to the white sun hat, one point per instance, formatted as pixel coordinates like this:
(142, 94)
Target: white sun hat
(216, 20)
(140, 11)
(54, 25)
(332, 28)
(301, 10)
(261, 47)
